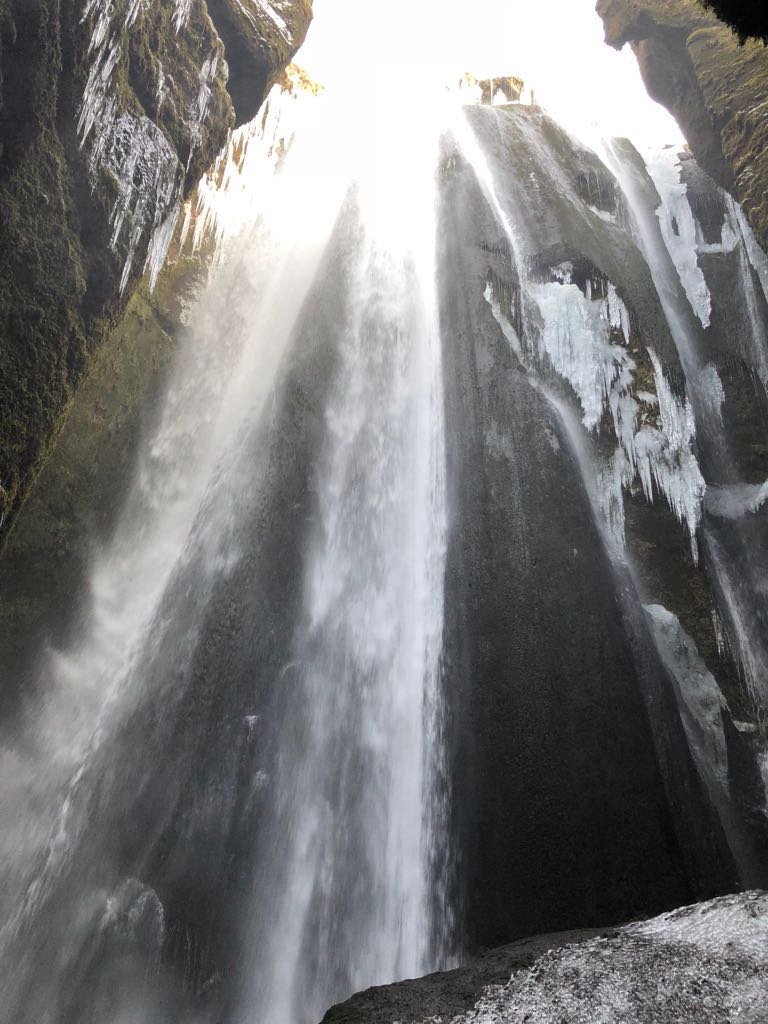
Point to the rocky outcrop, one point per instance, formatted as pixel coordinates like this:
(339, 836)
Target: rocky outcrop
(716, 88)
(109, 114)
(704, 963)
(260, 39)
(488, 90)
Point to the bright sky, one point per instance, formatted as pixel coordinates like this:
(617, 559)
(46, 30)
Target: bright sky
(556, 45)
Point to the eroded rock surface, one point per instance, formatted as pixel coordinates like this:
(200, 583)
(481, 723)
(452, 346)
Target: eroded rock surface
(260, 39)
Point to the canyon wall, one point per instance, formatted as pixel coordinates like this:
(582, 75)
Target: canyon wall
(715, 86)
(109, 115)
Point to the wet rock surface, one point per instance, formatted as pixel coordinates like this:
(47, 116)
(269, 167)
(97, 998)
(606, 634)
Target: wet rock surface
(526, 561)
(259, 39)
(109, 114)
(706, 964)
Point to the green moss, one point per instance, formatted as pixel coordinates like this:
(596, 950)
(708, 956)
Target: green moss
(82, 485)
(59, 280)
(43, 337)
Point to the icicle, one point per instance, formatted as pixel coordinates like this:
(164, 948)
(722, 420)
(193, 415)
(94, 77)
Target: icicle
(678, 228)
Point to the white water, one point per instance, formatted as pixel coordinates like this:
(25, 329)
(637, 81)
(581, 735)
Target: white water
(357, 885)
(655, 433)
(359, 810)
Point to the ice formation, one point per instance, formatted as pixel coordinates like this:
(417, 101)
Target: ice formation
(666, 457)
(146, 173)
(576, 337)
(181, 14)
(706, 963)
(655, 433)
(655, 445)
(679, 229)
(128, 147)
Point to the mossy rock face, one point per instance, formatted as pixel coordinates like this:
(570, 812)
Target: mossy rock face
(89, 189)
(78, 495)
(715, 87)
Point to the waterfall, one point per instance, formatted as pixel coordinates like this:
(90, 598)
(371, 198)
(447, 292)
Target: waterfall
(255, 698)
(439, 583)
(580, 334)
(735, 554)
(348, 879)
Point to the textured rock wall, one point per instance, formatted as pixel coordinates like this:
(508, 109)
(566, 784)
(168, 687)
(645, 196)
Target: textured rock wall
(549, 676)
(77, 497)
(716, 88)
(109, 114)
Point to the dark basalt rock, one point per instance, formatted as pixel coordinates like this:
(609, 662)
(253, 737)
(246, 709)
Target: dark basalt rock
(535, 616)
(444, 994)
(258, 46)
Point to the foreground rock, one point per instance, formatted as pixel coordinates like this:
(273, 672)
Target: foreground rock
(717, 89)
(706, 964)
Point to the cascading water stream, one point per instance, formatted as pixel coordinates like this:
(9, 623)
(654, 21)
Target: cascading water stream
(323, 749)
(359, 810)
(740, 573)
(559, 328)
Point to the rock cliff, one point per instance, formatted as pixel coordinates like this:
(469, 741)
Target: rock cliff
(716, 88)
(109, 114)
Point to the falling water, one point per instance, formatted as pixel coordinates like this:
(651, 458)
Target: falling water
(561, 327)
(735, 554)
(358, 800)
(236, 783)
(324, 749)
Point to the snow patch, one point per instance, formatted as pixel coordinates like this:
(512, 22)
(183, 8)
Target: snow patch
(707, 963)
